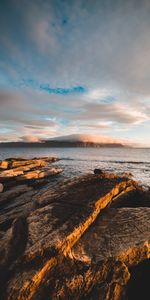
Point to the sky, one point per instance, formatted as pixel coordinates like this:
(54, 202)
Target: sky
(75, 67)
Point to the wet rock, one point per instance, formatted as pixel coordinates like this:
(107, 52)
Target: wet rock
(1, 187)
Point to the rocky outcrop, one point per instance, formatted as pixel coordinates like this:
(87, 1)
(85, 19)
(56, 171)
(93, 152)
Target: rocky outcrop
(25, 169)
(76, 240)
(21, 181)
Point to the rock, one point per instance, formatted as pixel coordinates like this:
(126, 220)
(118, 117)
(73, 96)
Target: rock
(50, 171)
(20, 162)
(119, 235)
(29, 169)
(10, 173)
(13, 192)
(37, 174)
(14, 239)
(1, 187)
(55, 228)
(12, 246)
(3, 164)
(98, 172)
(20, 206)
(34, 162)
(74, 244)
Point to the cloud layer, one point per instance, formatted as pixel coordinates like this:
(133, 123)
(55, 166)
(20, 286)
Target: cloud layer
(74, 67)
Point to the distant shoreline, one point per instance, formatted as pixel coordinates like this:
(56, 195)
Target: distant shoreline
(61, 144)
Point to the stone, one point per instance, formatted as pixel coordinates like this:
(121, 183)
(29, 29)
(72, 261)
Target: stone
(3, 164)
(10, 173)
(98, 171)
(14, 239)
(55, 227)
(1, 187)
(13, 192)
(74, 239)
(37, 174)
(35, 162)
(29, 168)
(12, 245)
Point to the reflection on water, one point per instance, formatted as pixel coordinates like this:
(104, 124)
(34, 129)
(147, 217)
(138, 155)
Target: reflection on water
(77, 161)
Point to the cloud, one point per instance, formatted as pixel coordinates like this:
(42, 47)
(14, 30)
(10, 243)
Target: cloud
(88, 138)
(114, 112)
(75, 66)
(29, 139)
(100, 45)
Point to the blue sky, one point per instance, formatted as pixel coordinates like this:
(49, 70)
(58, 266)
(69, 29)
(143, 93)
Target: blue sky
(75, 66)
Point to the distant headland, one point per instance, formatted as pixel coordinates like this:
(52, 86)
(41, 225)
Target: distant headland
(75, 140)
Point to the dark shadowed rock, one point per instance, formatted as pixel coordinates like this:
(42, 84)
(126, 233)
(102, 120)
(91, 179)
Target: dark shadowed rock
(13, 193)
(1, 187)
(98, 172)
(12, 246)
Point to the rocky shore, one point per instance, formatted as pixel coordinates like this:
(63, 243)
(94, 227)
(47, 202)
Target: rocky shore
(84, 238)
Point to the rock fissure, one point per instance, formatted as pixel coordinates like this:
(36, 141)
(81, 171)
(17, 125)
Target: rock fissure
(65, 246)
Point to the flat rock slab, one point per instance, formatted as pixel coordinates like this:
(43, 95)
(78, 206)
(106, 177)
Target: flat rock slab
(67, 209)
(56, 223)
(114, 234)
(101, 260)
(26, 169)
(21, 179)
(18, 162)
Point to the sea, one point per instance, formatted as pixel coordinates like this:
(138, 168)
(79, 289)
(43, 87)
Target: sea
(79, 161)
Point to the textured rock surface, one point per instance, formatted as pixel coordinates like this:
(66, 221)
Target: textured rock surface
(72, 240)
(25, 169)
(1, 187)
(3, 164)
(22, 180)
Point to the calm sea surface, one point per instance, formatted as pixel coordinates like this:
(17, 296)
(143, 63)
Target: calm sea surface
(77, 161)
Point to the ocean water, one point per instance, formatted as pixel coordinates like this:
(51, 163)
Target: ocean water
(78, 161)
